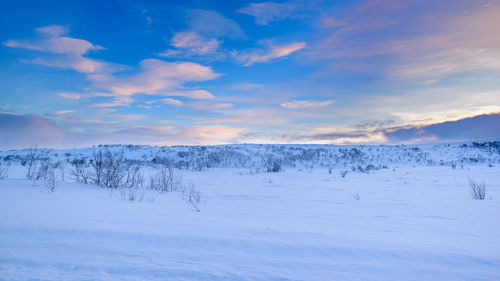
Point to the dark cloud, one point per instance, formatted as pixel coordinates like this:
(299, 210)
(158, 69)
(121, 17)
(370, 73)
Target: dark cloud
(482, 127)
(24, 131)
(21, 131)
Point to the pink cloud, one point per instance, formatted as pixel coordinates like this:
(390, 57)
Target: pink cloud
(418, 39)
(250, 57)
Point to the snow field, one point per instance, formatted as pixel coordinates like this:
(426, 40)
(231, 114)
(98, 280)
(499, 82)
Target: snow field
(413, 223)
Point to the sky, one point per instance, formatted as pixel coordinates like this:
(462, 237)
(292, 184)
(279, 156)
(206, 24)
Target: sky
(80, 73)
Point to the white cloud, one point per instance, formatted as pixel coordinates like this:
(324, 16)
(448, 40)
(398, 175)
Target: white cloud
(71, 96)
(61, 112)
(53, 42)
(428, 106)
(76, 63)
(206, 105)
(266, 12)
(54, 30)
(192, 94)
(170, 53)
(117, 101)
(127, 117)
(65, 52)
(301, 104)
(173, 102)
(191, 44)
(156, 78)
(251, 57)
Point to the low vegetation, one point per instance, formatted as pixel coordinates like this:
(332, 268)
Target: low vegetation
(477, 189)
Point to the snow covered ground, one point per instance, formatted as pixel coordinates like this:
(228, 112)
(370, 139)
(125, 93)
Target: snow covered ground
(411, 222)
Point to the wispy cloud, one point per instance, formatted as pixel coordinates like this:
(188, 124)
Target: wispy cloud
(192, 94)
(30, 130)
(266, 12)
(205, 33)
(250, 57)
(117, 101)
(190, 43)
(173, 102)
(327, 21)
(213, 24)
(71, 96)
(157, 77)
(64, 52)
(206, 105)
(127, 117)
(60, 112)
(427, 106)
(301, 104)
(407, 41)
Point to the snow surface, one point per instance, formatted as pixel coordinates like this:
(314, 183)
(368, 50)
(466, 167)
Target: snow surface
(414, 221)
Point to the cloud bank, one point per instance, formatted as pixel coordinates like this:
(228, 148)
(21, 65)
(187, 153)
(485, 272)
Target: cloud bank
(30, 130)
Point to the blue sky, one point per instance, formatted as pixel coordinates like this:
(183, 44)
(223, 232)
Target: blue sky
(78, 73)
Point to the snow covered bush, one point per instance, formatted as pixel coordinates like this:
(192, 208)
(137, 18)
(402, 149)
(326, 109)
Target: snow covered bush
(477, 190)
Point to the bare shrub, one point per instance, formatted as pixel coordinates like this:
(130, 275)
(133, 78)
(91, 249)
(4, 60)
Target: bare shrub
(50, 180)
(79, 172)
(38, 169)
(477, 190)
(356, 197)
(133, 193)
(165, 180)
(62, 172)
(42, 169)
(29, 162)
(4, 169)
(134, 177)
(343, 173)
(114, 168)
(104, 168)
(191, 195)
(96, 173)
(132, 187)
